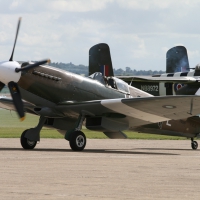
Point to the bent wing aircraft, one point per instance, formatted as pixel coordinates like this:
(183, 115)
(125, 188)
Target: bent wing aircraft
(177, 80)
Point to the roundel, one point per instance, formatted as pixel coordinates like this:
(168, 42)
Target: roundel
(178, 86)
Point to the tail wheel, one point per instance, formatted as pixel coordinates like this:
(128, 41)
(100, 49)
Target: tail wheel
(26, 143)
(77, 141)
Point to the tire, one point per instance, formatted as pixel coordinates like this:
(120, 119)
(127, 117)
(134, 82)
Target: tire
(194, 145)
(77, 141)
(27, 144)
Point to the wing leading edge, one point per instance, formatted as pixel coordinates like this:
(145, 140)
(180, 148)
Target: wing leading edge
(7, 103)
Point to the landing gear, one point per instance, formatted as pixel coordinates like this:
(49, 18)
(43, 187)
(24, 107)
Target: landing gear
(26, 143)
(76, 137)
(194, 144)
(77, 141)
(30, 136)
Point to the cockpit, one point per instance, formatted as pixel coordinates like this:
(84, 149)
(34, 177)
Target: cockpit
(97, 76)
(111, 82)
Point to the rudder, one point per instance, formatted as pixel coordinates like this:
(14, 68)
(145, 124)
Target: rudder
(177, 60)
(100, 60)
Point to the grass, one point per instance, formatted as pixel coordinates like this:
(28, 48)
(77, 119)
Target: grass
(11, 127)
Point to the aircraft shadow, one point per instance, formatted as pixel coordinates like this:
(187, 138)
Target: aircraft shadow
(86, 151)
(165, 149)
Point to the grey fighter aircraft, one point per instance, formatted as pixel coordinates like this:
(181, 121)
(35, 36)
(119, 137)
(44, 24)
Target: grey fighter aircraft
(176, 60)
(64, 101)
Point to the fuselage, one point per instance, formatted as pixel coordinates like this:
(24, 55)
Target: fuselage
(56, 85)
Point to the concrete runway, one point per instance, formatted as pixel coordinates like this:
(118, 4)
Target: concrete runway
(107, 169)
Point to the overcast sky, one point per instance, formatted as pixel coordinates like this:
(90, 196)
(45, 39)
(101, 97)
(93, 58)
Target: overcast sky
(139, 32)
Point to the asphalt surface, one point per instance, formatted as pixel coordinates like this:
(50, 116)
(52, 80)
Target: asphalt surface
(106, 169)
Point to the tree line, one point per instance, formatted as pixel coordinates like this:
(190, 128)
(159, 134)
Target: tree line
(83, 70)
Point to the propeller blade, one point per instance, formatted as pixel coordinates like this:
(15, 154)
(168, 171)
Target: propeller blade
(1, 86)
(33, 65)
(17, 100)
(11, 58)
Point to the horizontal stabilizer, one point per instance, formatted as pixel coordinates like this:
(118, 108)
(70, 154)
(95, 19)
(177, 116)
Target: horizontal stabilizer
(168, 79)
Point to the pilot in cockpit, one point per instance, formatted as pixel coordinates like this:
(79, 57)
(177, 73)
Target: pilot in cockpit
(111, 82)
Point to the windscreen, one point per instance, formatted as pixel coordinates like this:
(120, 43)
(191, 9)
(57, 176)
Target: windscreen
(121, 85)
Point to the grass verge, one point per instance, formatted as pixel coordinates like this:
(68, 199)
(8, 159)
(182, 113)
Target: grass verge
(16, 132)
(10, 127)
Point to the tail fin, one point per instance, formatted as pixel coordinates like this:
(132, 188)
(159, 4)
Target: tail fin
(100, 60)
(177, 60)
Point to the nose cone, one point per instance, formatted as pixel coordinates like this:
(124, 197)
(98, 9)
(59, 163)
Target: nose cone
(7, 71)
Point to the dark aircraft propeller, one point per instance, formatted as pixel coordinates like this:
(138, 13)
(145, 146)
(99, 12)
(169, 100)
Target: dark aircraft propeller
(16, 35)
(11, 79)
(36, 64)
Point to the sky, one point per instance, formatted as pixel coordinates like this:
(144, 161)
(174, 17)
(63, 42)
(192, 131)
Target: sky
(139, 32)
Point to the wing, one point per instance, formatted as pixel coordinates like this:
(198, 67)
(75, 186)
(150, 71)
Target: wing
(122, 114)
(7, 103)
(174, 79)
(134, 112)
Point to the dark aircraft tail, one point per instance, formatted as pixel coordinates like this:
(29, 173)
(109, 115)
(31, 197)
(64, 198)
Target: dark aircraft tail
(177, 60)
(100, 60)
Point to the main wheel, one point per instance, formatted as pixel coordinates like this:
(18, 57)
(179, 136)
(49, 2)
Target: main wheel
(77, 141)
(194, 145)
(26, 143)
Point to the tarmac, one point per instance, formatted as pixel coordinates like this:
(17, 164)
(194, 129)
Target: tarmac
(106, 169)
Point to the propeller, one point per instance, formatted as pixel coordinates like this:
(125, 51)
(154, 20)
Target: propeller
(32, 65)
(16, 35)
(17, 100)
(10, 73)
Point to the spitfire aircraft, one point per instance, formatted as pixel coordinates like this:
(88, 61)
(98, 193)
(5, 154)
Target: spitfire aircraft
(177, 60)
(65, 101)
